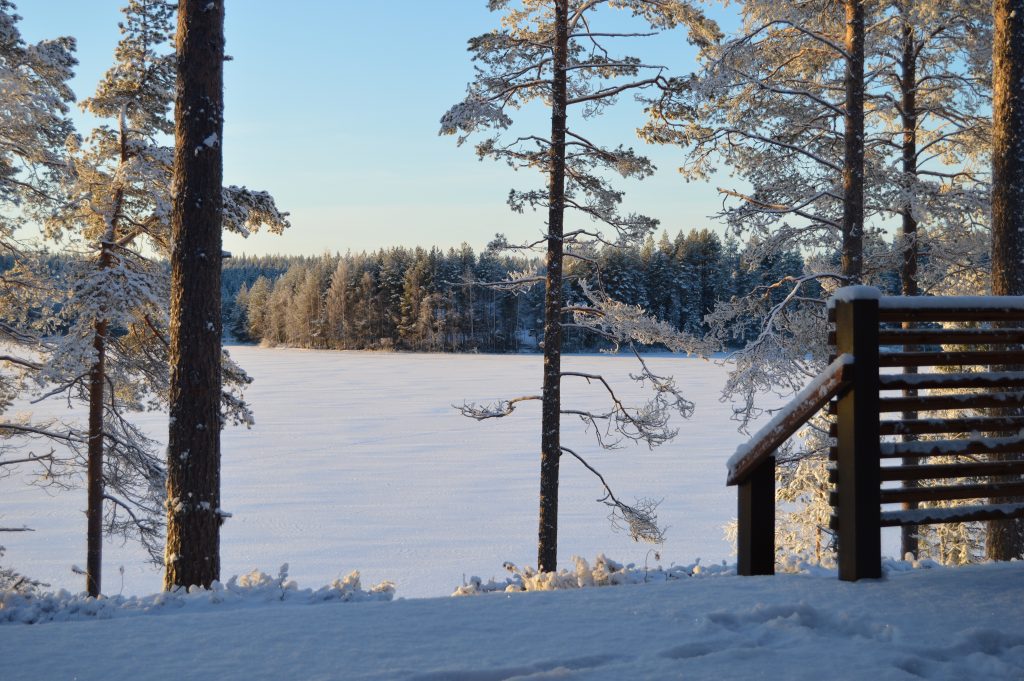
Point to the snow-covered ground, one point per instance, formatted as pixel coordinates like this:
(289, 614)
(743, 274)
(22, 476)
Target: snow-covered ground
(358, 461)
(954, 624)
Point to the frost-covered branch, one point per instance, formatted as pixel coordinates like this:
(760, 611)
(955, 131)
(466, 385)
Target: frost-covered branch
(640, 520)
(495, 410)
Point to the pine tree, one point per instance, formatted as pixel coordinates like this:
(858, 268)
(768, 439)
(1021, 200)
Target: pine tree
(36, 96)
(238, 322)
(549, 50)
(117, 201)
(194, 516)
(336, 305)
(256, 308)
(115, 206)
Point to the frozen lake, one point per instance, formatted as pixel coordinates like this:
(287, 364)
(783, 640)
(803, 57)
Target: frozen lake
(358, 461)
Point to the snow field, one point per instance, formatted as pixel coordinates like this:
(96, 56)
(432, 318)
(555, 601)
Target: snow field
(357, 461)
(948, 624)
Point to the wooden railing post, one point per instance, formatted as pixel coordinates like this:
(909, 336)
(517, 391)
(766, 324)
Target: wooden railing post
(755, 535)
(858, 437)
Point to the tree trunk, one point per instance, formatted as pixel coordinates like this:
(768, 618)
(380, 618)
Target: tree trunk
(550, 443)
(908, 268)
(1006, 538)
(853, 165)
(94, 513)
(97, 391)
(192, 555)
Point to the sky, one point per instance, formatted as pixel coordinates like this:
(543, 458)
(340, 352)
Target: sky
(333, 106)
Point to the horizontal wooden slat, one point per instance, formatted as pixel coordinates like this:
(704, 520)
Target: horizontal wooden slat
(980, 379)
(1001, 400)
(919, 448)
(955, 514)
(952, 310)
(951, 336)
(952, 470)
(992, 490)
(943, 471)
(959, 357)
(946, 309)
(976, 424)
(803, 406)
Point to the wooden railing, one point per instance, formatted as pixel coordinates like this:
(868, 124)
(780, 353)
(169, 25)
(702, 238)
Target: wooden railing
(981, 444)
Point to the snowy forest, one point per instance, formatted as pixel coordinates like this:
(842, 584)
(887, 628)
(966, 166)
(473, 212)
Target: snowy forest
(438, 301)
(848, 144)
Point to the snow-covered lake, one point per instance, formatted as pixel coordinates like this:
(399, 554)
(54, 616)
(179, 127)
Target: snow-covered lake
(358, 461)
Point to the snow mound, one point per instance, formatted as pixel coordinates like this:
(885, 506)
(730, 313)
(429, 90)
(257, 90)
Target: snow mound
(251, 589)
(605, 572)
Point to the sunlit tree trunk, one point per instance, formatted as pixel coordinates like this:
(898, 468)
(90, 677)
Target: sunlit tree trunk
(193, 453)
(550, 443)
(96, 492)
(1006, 538)
(908, 266)
(94, 512)
(853, 165)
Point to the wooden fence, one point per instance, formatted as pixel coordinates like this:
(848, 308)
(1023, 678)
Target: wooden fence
(960, 425)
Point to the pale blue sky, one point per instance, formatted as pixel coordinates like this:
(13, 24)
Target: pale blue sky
(333, 106)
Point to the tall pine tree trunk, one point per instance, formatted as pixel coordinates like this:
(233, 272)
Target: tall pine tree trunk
(193, 452)
(96, 493)
(908, 267)
(551, 406)
(1006, 538)
(853, 164)
(94, 512)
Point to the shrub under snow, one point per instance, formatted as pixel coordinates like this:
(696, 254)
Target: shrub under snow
(253, 588)
(605, 572)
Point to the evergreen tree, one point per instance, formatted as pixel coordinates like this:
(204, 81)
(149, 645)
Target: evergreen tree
(256, 308)
(238, 322)
(34, 80)
(549, 51)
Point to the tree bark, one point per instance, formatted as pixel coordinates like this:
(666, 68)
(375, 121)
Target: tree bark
(1006, 538)
(908, 268)
(551, 406)
(853, 164)
(192, 555)
(94, 512)
(97, 391)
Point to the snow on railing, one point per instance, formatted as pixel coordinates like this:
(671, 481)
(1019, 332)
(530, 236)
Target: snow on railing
(789, 419)
(912, 304)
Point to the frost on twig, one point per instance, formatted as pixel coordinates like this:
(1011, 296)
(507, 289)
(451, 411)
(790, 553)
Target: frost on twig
(246, 210)
(622, 323)
(640, 520)
(787, 326)
(494, 410)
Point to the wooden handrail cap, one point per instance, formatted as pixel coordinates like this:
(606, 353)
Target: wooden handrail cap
(849, 293)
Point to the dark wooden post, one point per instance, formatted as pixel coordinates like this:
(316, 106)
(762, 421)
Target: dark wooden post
(755, 536)
(859, 455)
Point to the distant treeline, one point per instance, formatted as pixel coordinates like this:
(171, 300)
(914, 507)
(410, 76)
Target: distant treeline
(438, 301)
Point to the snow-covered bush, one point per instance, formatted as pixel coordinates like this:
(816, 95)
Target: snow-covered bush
(12, 581)
(253, 588)
(605, 572)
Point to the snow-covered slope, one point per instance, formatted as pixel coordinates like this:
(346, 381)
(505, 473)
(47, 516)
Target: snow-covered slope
(938, 623)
